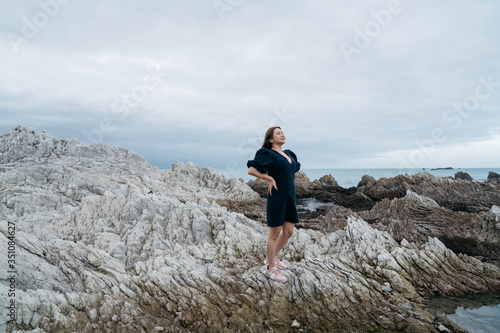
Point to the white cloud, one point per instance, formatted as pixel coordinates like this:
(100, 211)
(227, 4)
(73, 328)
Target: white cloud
(473, 154)
(223, 80)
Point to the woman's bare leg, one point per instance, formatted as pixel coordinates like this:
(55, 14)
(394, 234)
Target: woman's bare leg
(272, 241)
(283, 238)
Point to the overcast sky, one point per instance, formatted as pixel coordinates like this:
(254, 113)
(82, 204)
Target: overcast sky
(354, 84)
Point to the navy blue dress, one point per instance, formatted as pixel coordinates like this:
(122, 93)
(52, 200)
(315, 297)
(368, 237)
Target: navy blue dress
(281, 204)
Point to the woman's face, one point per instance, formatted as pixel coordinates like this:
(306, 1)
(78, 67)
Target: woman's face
(278, 136)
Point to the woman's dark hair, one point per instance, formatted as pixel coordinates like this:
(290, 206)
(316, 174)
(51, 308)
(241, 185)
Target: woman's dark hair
(269, 135)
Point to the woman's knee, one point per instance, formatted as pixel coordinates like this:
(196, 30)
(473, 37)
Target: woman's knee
(288, 231)
(274, 233)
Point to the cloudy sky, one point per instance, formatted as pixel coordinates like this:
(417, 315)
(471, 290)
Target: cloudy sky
(354, 84)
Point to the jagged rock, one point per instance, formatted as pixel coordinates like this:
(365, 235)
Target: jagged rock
(367, 181)
(107, 243)
(493, 176)
(416, 217)
(463, 175)
(336, 219)
(455, 194)
(208, 178)
(255, 210)
(328, 180)
(328, 191)
(302, 184)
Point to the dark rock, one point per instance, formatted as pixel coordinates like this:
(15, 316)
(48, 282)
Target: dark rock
(493, 176)
(463, 175)
(260, 186)
(336, 219)
(327, 180)
(255, 210)
(383, 188)
(453, 194)
(367, 181)
(476, 209)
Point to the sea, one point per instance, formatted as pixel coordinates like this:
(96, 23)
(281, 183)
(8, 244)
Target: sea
(351, 177)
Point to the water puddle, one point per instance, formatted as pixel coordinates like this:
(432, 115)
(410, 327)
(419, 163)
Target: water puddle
(311, 204)
(475, 313)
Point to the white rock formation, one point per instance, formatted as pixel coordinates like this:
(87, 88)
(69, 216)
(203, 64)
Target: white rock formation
(106, 242)
(423, 200)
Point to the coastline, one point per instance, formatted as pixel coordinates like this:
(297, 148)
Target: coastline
(352, 176)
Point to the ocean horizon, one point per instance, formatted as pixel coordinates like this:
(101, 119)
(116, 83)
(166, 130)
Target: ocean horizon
(351, 177)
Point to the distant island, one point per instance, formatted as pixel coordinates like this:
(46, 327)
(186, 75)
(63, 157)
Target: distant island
(448, 168)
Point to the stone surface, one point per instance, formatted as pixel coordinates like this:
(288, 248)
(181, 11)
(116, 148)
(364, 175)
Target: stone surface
(454, 194)
(463, 175)
(416, 217)
(493, 176)
(107, 243)
(461, 213)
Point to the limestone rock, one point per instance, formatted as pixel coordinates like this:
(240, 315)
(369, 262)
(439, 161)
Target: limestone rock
(107, 243)
(416, 217)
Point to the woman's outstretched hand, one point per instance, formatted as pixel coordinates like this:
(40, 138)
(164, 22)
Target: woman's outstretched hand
(272, 183)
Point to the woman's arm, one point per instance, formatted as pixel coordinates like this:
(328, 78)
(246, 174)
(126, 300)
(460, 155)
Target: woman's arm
(272, 183)
(254, 172)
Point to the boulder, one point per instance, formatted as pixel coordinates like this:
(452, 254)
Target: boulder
(493, 176)
(327, 180)
(302, 184)
(463, 175)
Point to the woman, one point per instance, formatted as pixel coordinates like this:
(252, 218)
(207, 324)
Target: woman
(278, 167)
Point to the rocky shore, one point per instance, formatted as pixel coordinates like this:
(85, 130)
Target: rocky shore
(107, 243)
(461, 213)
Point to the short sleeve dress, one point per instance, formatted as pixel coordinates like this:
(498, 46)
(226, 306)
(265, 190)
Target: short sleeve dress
(281, 205)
